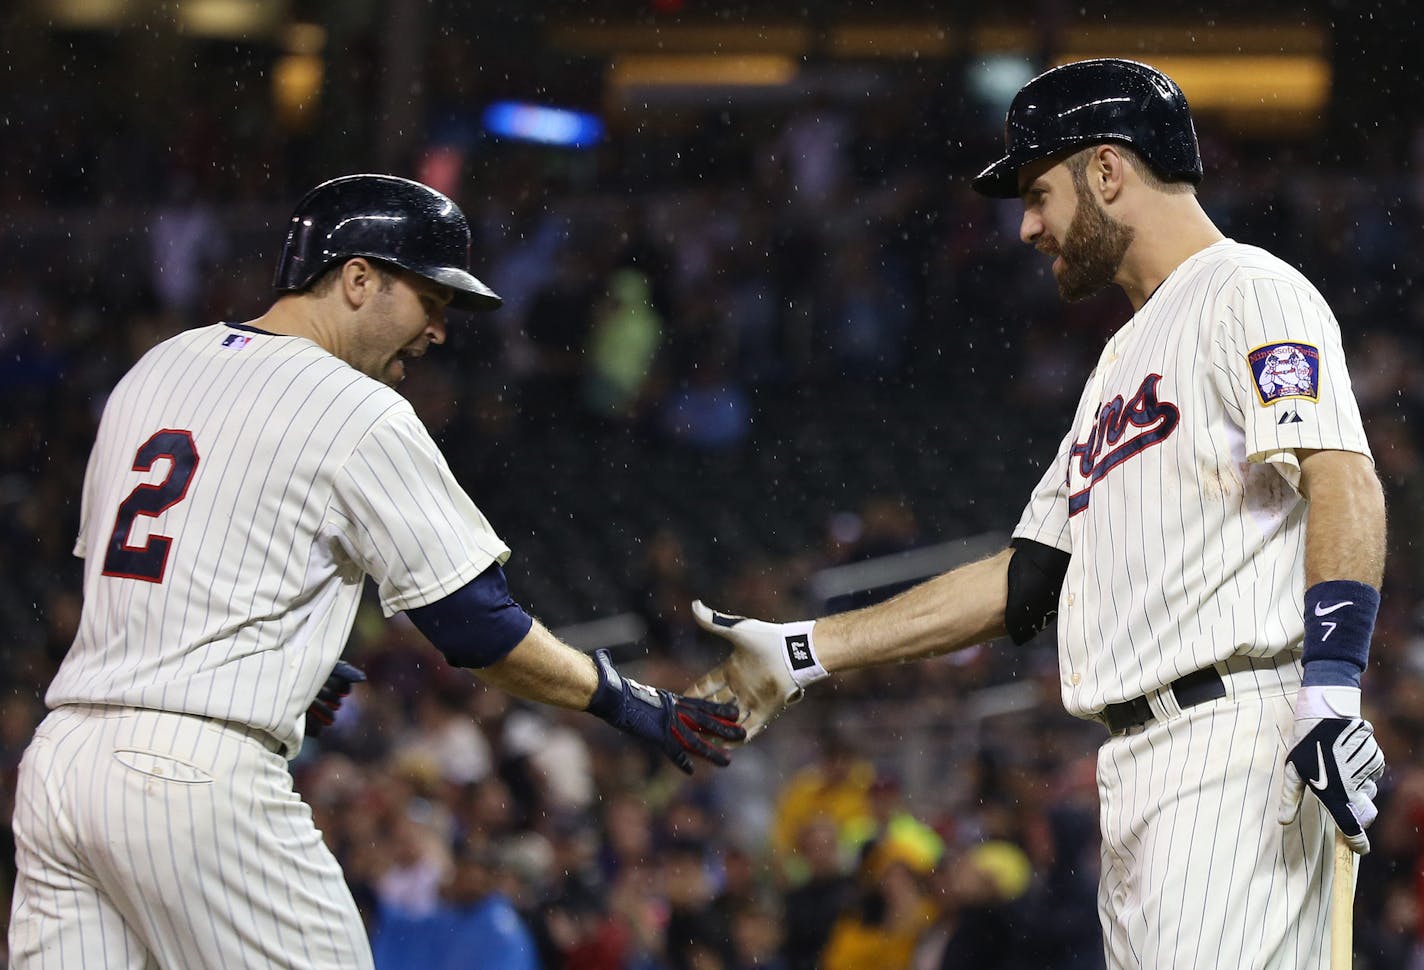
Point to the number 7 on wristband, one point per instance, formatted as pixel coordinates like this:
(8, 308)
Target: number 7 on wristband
(770, 666)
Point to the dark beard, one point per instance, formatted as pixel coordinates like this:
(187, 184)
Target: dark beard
(1092, 250)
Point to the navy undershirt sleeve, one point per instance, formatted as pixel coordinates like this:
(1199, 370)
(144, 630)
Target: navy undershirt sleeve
(476, 625)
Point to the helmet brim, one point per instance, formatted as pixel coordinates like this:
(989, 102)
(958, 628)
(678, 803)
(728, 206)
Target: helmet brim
(470, 293)
(1000, 180)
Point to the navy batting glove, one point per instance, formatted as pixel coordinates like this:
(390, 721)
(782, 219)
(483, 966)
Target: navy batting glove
(323, 710)
(674, 723)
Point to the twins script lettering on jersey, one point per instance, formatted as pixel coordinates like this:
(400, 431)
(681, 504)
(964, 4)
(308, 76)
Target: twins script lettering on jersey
(1142, 421)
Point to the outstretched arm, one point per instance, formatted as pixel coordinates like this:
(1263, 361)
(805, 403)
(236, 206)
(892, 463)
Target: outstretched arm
(543, 668)
(481, 627)
(954, 610)
(772, 663)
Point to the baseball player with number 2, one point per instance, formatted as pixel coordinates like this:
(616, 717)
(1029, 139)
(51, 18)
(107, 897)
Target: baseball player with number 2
(1209, 536)
(245, 481)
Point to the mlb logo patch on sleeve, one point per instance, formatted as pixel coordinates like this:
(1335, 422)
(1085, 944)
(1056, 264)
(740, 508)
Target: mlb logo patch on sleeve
(236, 341)
(1286, 370)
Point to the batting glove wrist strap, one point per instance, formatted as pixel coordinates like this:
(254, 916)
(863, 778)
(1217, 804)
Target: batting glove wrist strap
(1322, 702)
(1339, 622)
(800, 641)
(675, 724)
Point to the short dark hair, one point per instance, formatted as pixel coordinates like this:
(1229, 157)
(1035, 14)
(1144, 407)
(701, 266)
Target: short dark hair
(327, 278)
(1078, 165)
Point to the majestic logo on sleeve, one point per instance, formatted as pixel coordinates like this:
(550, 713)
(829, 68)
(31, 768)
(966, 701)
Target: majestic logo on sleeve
(1286, 370)
(1122, 429)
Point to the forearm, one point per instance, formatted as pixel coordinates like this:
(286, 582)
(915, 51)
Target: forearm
(543, 668)
(1345, 522)
(1344, 566)
(950, 612)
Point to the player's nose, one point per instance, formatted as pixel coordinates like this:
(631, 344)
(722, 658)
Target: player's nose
(435, 327)
(1030, 227)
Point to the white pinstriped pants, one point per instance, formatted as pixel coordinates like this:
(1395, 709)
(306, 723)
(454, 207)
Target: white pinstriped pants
(147, 839)
(1196, 871)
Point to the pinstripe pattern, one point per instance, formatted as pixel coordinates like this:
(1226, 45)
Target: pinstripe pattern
(1190, 551)
(311, 477)
(1175, 493)
(149, 839)
(147, 834)
(1195, 874)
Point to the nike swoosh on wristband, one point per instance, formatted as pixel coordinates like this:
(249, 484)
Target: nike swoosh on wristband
(1321, 610)
(1319, 784)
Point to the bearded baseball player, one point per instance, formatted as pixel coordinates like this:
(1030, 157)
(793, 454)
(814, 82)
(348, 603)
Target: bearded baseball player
(245, 481)
(1209, 536)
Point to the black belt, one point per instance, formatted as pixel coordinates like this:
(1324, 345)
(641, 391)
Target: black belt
(1195, 688)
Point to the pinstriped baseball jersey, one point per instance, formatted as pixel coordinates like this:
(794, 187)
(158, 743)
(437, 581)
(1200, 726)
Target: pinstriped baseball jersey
(1175, 489)
(241, 487)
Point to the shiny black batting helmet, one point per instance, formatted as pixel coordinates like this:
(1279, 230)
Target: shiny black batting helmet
(1089, 102)
(385, 218)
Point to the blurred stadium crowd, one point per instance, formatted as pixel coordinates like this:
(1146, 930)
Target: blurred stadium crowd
(731, 355)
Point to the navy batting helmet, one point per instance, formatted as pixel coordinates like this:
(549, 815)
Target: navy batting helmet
(390, 219)
(1088, 102)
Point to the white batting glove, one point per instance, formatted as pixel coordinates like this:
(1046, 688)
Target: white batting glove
(1335, 753)
(770, 666)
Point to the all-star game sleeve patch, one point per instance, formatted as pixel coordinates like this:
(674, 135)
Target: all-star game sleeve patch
(1284, 371)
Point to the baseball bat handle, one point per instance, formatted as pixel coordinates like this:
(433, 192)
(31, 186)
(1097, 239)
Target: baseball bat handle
(1342, 906)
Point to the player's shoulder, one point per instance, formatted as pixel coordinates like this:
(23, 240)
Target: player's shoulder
(170, 355)
(273, 373)
(1242, 265)
(225, 343)
(184, 340)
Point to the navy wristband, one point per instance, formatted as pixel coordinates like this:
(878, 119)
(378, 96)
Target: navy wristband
(1339, 622)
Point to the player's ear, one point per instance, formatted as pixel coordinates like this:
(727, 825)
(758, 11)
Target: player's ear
(1106, 170)
(359, 280)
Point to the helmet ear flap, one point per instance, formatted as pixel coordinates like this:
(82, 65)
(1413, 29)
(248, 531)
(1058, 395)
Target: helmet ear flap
(392, 220)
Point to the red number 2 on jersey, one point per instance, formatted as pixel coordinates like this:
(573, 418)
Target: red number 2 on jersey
(148, 561)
